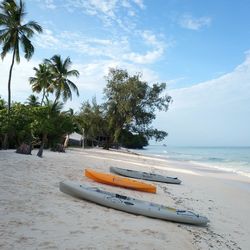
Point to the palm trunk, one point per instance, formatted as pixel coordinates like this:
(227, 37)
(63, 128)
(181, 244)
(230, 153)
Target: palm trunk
(57, 98)
(40, 151)
(9, 82)
(43, 97)
(6, 139)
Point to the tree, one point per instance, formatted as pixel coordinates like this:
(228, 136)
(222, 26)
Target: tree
(42, 81)
(91, 119)
(51, 124)
(131, 104)
(33, 101)
(14, 33)
(61, 72)
(2, 103)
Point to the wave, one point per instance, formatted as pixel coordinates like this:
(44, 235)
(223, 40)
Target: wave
(236, 160)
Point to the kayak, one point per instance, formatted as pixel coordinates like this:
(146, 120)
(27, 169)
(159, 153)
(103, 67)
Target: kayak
(115, 180)
(144, 175)
(131, 205)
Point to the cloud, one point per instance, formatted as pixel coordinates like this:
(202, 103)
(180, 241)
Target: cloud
(214, 112)
(150, 56)
(20, 86)
(48, 40)
(109, 11)
(117, 48)
(90, 83)
(140, 3)
(46, 4)
(189, 22)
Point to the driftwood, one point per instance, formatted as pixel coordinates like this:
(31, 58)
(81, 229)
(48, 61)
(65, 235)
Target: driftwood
(24, 149)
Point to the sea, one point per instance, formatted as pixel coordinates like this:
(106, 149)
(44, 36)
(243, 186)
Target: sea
(231, 159)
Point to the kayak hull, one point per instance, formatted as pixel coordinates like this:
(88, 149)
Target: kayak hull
(144, 175)
(115, 180)
(131, 205)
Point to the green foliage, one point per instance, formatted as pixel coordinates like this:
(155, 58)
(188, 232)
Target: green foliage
(33, 100)
(52, 76)
(131, 104)
(17, 125)
(27, 123)
(51, 123)
(135, 141)
(42, 81)
(2, 103)
(91, 119)
(60, 71)
(14, 33)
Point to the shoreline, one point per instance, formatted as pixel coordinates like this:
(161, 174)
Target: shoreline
(35, 214)
(204, 166)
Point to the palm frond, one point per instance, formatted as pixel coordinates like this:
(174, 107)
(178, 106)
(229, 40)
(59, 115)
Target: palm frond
(73, 72)
(27, 47)
(73, 86)
(6, 48)
(32, 25)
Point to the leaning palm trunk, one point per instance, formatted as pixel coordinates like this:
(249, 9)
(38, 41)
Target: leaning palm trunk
(40, 151)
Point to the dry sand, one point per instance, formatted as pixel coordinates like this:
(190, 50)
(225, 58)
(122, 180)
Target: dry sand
(34, 214)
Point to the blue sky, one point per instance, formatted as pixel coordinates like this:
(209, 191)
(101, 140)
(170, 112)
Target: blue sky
(199, 48)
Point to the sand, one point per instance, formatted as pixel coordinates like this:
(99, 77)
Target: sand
(34, 214)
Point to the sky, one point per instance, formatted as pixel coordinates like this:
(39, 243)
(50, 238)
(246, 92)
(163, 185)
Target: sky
(201, 49)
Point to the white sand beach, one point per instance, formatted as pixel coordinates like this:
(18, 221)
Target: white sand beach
(34, 214)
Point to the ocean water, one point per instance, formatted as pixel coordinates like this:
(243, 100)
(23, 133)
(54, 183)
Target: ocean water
(232, 159)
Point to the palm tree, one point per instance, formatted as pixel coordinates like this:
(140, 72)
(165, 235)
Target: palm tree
(2, 103)
(61, 73)
(42, 81)
(14, 33)
(33, 101)
(46, 118)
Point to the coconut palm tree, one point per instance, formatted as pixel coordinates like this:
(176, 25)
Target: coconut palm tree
(61, 73)
(14, 33)
(42, 81)
(33, 101)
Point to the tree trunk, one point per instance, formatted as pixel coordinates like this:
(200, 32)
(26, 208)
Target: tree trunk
(40, 151)
(9, 81)
(66, 141)
(5, 141)
(24, 149)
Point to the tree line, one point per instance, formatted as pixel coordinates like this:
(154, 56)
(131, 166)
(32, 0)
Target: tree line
(123, 119)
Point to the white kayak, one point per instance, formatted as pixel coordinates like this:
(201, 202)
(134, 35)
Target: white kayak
(144, 175)
(131, 205)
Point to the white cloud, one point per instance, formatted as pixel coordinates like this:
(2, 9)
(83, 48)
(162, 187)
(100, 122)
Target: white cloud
(158, 49)
(20, 86)
(189, 22)
(46, 4)
(50, 4)
(90, 83)
(115, 49)
(215, 112)
(120, 12)
(140, 3)
(48, 40)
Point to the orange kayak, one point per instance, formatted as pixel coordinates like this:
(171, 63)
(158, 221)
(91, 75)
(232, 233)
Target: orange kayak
(115, 180)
